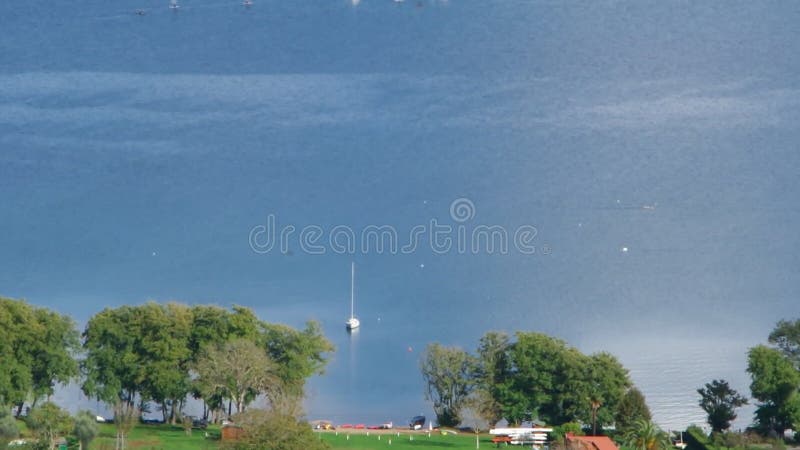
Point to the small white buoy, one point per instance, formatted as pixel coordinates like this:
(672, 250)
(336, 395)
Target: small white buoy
(624, 249)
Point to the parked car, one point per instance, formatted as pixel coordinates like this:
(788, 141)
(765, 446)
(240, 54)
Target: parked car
(417, 422)
(199, 423)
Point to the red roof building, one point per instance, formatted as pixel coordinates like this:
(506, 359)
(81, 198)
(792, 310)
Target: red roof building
(590, 443)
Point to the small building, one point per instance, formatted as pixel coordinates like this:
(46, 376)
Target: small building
(231, 432)
(590, 443)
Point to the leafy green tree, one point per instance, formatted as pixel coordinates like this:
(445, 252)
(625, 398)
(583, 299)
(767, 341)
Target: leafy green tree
(142, 354)
(85, 429)
(632, 408)
(48, 422)
(645, 435)
(560, 431)
(164, 355)
(9, 430)
(774, 384)
(212, 326)
(491, 370)
(37, 347)
(112, 366)
(298, 354)
(16, 351)
(271, 430)
(720, 401)
(607, 381)
(449, 380)
(546, 380)
(240, 370)
(786, 336)
(57, 344)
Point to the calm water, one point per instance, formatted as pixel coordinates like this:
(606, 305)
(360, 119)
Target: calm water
(653, 147)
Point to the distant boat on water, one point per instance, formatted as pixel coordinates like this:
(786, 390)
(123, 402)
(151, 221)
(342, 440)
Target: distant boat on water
(173, 4)
(247, 3)
(352, 323)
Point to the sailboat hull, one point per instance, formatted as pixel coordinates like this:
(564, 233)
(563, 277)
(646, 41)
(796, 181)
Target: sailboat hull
(352, 324)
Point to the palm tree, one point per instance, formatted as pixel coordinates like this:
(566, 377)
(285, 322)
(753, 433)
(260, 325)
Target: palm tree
(645, 435)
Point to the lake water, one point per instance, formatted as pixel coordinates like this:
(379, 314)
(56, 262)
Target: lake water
(651, 145)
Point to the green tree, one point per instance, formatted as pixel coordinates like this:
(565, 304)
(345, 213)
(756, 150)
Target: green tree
(645, 435)
(17, 342)
(48, 422)
(141, 354)
(213, 326)
(111, 365)
(85, 429)
(57, 343)
(632, 408)
(162, 348)
(607, 381)
(774, 384)
(560, 431)
(37, 347)
(240, 370)
(491, 370)
(449, 380)
(271, 430)
(786, 336)
(9, 430)
(298, 354)
(545, 379)
(720, 401)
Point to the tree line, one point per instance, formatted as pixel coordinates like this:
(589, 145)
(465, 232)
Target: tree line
(531, 376)
(774, 371)
(136, 358)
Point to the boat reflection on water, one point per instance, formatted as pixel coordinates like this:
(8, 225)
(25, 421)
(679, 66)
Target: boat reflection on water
(352, 358)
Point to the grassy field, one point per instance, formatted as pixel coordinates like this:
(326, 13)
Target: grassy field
(158, 437)
(404, 441)
(166, 437)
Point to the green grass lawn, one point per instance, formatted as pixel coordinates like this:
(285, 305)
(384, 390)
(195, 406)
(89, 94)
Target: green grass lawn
(159, 437)
(404, 441)
(166, 437)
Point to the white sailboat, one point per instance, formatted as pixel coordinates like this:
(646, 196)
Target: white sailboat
(352, 323)
(173, 5)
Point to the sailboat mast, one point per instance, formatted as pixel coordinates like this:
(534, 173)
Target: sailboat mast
(352, 287)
